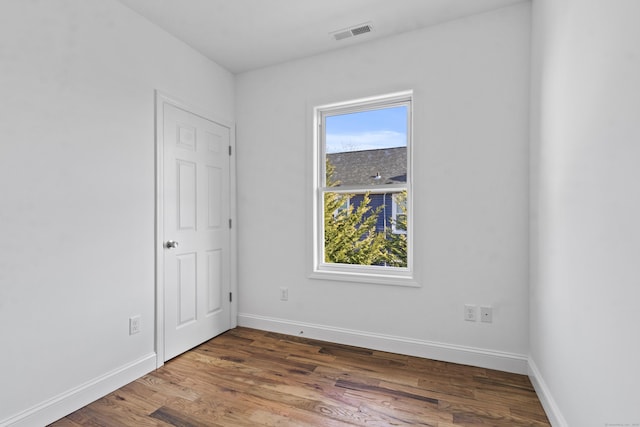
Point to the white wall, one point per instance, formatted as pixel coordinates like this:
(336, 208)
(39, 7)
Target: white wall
(77, 82)
(585, 282)
(470, 79)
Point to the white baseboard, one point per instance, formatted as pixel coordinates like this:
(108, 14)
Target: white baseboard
(74, 399)
(546, 399)
(490, 359)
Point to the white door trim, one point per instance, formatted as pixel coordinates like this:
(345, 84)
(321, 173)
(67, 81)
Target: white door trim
(161, 99)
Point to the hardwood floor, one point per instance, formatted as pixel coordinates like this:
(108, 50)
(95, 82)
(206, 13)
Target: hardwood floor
(247, 377)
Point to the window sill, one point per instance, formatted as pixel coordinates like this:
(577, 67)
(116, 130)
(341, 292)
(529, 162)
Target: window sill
(368, 278)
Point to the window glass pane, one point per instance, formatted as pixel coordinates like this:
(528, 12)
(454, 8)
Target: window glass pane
(362, 229)
(368, 147)
(357, 234)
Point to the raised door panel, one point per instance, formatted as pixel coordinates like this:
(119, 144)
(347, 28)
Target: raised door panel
(187, 288)
(186, 195)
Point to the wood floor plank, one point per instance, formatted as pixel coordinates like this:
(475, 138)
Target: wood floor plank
(176, 418)
(246, 378)
(66, 422)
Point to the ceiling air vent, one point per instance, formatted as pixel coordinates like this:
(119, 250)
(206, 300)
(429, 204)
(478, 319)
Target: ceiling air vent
(361, 30)
(353, 31)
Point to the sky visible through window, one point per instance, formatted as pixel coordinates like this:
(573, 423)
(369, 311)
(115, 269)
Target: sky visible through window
(367, 130)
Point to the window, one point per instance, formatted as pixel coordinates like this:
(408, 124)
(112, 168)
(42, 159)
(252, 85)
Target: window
(343, 209)
(399, 214)
(362, 199)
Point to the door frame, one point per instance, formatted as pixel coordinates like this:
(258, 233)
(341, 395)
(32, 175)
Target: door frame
(160, 100)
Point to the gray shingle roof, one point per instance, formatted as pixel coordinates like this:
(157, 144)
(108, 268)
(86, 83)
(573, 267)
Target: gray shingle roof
(362, 167)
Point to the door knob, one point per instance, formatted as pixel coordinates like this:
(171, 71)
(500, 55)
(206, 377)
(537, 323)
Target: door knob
(171, 244)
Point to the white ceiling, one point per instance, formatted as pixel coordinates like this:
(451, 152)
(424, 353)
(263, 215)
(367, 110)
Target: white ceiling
(242, 35)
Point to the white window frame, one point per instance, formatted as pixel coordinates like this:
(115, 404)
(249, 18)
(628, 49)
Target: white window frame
(359, 273)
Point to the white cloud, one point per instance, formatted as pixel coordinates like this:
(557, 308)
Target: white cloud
(339, 143)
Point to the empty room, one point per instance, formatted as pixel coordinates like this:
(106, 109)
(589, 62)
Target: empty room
(332, 213)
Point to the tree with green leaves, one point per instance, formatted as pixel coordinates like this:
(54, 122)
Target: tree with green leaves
(350, 234)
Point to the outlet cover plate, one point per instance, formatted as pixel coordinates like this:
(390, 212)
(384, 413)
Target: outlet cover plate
(470, 313)
(486, 314)
(134, 325)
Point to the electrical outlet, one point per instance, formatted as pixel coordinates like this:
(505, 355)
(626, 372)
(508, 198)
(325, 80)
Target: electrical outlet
(486, 314)
(470, 313)
(134, 325)
(284, 294)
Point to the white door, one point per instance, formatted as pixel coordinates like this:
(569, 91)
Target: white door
(196, 246)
